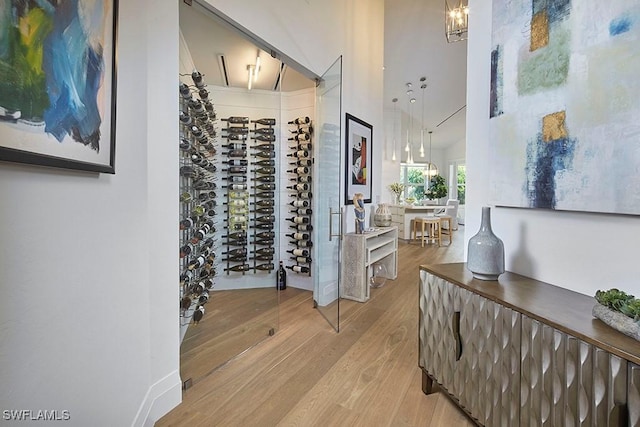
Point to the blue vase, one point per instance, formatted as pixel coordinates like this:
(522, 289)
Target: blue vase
(485, 254)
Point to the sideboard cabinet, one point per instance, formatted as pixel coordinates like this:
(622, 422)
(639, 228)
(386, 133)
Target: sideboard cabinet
(521, 352)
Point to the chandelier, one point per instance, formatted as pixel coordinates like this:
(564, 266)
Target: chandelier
(456, 21)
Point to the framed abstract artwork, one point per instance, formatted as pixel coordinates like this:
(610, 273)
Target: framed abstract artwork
(359, 146)
(58, 83)
(563, 106)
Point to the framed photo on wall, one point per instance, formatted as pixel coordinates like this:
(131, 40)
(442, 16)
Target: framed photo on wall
(359, 147)
(58, 85)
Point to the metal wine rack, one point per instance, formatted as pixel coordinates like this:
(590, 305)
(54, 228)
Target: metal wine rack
(300, 170)
(197, 119)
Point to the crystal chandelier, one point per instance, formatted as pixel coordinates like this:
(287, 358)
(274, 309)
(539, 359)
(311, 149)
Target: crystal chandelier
(456, 21)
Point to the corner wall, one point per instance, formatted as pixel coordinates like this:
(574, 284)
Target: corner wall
(583, 252)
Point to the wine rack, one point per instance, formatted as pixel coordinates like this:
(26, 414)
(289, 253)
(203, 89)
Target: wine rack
(300, 169)
(197, 173)
(251, 218)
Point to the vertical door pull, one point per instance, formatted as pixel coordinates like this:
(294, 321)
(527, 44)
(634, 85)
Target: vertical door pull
(456, 334)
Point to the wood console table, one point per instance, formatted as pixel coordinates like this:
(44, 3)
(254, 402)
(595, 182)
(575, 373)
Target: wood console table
(521, 352)
(359, 253)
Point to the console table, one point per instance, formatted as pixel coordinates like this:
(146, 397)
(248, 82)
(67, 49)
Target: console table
(359, 253)
(521, 352)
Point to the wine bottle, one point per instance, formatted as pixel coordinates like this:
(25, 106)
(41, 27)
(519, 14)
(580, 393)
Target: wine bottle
(299, 252)
(299, 187)
(264, 225)
(264, 147)
(265, 202)
(303, 243)
(235, 137)
(304, 195)
(300, 170)
(203, 93)
(235, 258)
(235, 170)
(185, 196)
(301, 178)
(236, 162)
(238, 195)
(302, 162)
(240, 267)
(208, 283)
(264, 137)
(238, 218)
(185, 118)
(299, 203)
(185, 145)
(196, 263)
(185, 92)
(302, 227)
(264, 195)
(266, 178)
(302, 211)
(266, 218)
(298, 220)
(302, 259)
(300, 121)
(204, 297)
(265, 154)
(264, 210)
(264, 251)
(304, 136)
(265, 121)
(299, 268)
(265, 266)
(210, 195)
(267, 186)
(281, 278)
(298, 236)
(198, 314)
(235, 186)
(303, 146)
(197, 79)
(266, 170)
(264, 131)
(235, 146)
(262, 257)
(240, 235)
(266, 235)
(188, 171)
(264, 242)
(210, 128)
(299, 153)
(185, 303)
(235, 178)
(196, 131)
(236, 242)
(236, 153)
(236, 120)
(236, 202)
(186, 250)
(188, 222)
(266, 162)
(236, 129)
(235, 252)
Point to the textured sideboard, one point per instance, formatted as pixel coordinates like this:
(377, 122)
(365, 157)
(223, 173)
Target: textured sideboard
(521, 352)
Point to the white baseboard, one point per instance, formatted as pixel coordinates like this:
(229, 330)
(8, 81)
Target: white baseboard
(161, 397)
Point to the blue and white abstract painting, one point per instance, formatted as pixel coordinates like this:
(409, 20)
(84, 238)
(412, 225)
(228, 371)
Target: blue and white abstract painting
(56, 60)
(565, 105)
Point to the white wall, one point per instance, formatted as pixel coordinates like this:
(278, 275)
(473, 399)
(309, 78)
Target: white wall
(88, 318)
(579, 251)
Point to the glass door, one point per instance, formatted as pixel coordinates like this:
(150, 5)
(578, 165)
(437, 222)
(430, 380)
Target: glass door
(328, 221)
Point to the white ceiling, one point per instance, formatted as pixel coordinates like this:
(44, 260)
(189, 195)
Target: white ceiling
(415, 46)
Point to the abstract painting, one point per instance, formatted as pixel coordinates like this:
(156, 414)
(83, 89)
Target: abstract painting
(564, 105)
(58, 83)
(359, 137)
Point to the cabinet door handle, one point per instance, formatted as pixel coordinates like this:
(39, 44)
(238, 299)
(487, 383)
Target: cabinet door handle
(456, 334)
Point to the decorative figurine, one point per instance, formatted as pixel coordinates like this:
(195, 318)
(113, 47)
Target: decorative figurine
(358, 206)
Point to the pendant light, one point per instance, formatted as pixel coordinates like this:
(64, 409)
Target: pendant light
(409, 93)
(431, 168)
(393, 155)
(423, 86)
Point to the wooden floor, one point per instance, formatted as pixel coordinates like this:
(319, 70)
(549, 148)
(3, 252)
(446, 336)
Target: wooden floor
(309, 375)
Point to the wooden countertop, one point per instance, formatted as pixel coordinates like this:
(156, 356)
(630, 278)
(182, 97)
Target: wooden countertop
(563, 309)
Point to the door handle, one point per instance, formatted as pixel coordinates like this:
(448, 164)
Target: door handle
(456, 334)
(331, 213)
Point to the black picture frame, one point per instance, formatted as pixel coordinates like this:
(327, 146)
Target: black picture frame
(65, 116)
(358, 149)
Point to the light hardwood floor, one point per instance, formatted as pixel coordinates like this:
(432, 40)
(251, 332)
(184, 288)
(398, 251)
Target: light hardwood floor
(309, 375)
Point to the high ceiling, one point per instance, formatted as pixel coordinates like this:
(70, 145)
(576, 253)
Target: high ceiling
(415, 47)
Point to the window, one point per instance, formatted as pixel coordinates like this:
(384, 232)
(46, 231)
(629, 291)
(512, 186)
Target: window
(412, 176)
(462, 182)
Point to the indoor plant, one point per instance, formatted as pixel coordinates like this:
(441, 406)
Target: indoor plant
(437, 188)
(619, 310)
(397, 189)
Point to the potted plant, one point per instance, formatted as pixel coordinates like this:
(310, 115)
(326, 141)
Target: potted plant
(619, 310)
(397, 189)
(437, 188)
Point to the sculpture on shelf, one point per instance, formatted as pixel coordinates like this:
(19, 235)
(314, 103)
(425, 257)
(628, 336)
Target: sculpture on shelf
(358, 207)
